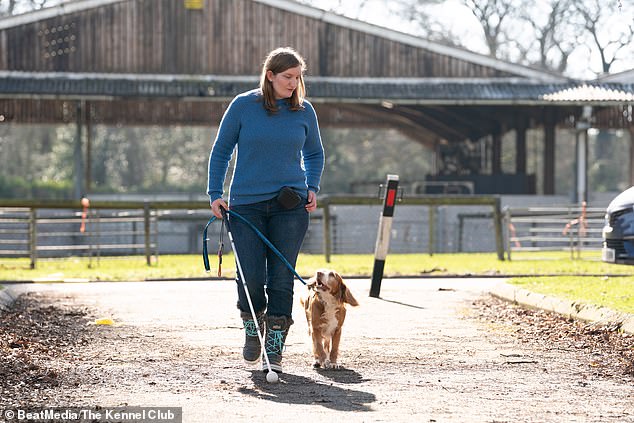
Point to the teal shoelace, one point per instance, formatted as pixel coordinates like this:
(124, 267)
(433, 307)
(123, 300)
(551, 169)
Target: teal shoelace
(249, 328)
(274, 341)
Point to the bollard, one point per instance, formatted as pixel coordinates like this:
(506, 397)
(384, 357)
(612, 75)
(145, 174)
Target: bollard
(383, 237)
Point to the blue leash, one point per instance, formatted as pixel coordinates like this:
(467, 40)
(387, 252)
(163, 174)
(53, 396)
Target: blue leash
(258, 233)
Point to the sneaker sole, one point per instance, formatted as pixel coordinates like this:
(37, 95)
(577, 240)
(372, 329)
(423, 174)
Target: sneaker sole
(275, 367)
(256, 361)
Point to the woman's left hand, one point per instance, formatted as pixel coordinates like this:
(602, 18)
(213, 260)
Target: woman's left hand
(311, 205)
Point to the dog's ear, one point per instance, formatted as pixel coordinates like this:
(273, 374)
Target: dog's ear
(345, 296)
(348, 297)
(311, 283)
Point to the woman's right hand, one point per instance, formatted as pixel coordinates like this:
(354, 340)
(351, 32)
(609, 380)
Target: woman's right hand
(216, 207)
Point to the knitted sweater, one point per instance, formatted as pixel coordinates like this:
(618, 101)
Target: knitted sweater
(273, 150)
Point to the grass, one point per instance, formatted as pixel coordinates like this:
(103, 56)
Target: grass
(551, 273)
(616, 293)
(191, 266)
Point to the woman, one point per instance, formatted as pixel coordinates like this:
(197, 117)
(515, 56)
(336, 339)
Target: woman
(279, 163)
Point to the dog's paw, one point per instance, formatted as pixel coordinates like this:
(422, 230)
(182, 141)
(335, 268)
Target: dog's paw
(316, 364)
(332, 365)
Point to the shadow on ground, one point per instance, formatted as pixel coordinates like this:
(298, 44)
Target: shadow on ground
(294, 389)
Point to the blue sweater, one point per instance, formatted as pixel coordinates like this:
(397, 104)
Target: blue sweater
(273, 150)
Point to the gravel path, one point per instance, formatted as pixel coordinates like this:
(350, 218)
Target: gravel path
(427, 351)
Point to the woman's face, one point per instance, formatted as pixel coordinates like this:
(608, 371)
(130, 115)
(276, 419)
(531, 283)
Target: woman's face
(285, 82)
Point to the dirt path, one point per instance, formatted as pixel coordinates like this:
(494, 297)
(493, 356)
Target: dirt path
(429, 350)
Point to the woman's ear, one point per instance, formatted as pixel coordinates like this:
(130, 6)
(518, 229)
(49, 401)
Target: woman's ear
(269, 75)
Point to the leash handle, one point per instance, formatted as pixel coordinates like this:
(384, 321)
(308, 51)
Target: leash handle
(225, 221)
(221, 243)
(205, 239)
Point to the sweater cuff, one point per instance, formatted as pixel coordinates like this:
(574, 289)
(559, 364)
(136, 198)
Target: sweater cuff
(213, 197)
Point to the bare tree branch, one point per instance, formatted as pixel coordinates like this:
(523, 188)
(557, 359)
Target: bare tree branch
(492, 15)
(594, 16)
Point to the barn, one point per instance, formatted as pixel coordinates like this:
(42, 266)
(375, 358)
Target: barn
(173, 62)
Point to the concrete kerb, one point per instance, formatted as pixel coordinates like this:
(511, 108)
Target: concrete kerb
(572, 309)
(8, 295)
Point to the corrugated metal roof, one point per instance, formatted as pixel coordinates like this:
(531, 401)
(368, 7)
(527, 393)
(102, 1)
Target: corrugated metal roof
(595, 92)
(622, 77)
(320, 89)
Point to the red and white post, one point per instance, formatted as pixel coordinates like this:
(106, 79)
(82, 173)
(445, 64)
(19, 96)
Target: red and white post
(383, 237)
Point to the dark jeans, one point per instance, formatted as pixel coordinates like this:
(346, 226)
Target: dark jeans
(262, 268)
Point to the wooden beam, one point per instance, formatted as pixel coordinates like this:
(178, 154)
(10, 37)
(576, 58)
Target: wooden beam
(520, 144)
(549, 151)
(435, 125)
(459, 116)
(410, 128)
(496, 154)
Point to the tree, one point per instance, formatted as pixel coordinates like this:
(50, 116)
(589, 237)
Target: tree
(609, 29)
(492, 15)
(8, 7)
(555, 37)
(13, 7)
(547, 34)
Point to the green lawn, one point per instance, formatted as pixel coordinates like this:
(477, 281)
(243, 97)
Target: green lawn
(616, 293)
(191, 266)
(552, 273)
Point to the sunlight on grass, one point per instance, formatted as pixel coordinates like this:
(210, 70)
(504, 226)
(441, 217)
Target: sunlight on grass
(616, 293)
(550, 273)
(191, 266)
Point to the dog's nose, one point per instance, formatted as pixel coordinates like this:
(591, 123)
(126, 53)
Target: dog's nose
(320, 275)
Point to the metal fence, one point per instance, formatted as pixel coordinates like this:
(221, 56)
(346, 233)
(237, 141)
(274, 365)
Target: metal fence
(58, 229)
(342, 224)
(573, 228)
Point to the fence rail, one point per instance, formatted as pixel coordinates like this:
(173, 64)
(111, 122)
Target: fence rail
(148, 214)
(35, 228)
(574, 228)
(118, 227)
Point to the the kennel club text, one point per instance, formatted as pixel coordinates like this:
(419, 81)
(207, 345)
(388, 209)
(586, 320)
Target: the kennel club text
(131, 414)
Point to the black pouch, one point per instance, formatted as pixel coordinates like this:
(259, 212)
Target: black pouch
(288, 198)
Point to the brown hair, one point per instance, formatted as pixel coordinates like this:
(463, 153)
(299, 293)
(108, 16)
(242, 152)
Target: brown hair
(277, 61)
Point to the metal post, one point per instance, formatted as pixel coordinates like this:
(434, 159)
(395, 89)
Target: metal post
(156, 240)
(431, 229)
(146, 231)
(77, 152)
(383, 237)
(460, 230)
(497, 221)
(507, 224)
(326, 222)
(33, 236)
(571, 237)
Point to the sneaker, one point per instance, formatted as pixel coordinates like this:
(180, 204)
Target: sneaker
(276, 331)
(252, 350)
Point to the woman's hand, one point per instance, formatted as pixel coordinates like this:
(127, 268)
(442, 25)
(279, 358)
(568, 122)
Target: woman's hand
(216, 205)
(311, 205)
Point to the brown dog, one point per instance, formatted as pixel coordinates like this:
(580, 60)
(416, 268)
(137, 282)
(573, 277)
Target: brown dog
(325, 312)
